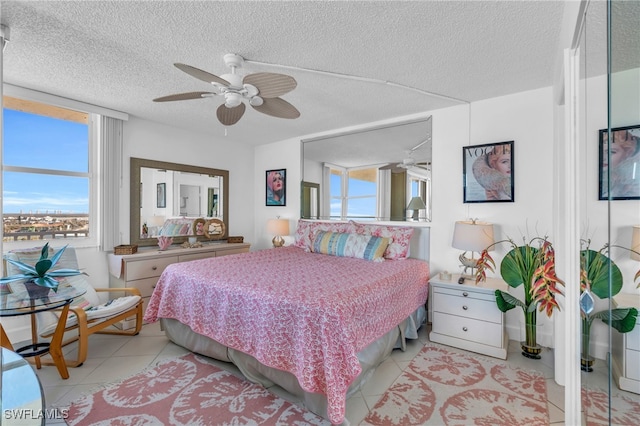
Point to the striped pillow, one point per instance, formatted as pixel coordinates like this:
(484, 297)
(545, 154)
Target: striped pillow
(366, 247)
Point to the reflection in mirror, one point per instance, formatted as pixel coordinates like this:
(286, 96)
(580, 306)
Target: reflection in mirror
(370, 174)
(170, 197)
(310, 205)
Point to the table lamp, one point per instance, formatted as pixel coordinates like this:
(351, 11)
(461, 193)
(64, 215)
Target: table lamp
(278, 227)
(416, 204)
(473, 236)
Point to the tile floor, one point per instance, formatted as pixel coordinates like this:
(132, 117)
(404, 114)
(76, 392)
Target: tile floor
(112, 358)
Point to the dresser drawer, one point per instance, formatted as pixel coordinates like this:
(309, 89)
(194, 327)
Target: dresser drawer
(145, 285)
(469, 306)
(469, 329)
(231, 251)
(147, 268)
(195, 256)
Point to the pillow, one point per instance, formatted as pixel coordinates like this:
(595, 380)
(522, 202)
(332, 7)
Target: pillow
(177, 226)
(307, 229)
(400, 238)
(366, 247)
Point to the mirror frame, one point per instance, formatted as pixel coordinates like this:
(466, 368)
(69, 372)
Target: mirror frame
(134, 191)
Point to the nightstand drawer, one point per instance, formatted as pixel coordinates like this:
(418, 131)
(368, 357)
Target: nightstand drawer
(470, 306)
(632, 359)
(633, 338)
(468, 329)
(148, 268)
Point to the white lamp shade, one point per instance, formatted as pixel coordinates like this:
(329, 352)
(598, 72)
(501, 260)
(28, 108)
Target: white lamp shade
(278, 227)
(416, 203)
(472, 236)
(635, 243)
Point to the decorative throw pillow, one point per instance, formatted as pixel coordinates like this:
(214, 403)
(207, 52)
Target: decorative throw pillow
(400, 238)
(366, 247)
(307, 229)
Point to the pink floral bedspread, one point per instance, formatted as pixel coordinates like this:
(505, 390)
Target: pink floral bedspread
(305, 313)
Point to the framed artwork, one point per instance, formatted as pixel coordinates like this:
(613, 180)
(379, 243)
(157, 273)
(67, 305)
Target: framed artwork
(488, 173)
(619, 164)
(276, 187)
(162, 196)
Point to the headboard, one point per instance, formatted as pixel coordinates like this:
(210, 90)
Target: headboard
(419, 244)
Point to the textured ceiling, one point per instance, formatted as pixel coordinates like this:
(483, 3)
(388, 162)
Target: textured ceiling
(120, 55)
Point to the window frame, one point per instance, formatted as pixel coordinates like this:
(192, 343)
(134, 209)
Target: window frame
(93, 140)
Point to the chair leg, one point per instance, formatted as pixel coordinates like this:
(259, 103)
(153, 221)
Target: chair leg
(83, 346)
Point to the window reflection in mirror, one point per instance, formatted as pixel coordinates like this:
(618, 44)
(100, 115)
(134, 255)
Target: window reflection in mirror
(369, 174)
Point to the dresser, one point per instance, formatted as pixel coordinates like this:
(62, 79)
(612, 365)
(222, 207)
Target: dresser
(466, 315)
(626, 348)
(142, 269)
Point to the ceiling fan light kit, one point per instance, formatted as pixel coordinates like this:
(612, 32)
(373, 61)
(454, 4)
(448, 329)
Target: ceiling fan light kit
(260, 90)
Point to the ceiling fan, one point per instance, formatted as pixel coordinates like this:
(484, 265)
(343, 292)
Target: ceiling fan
(409, 163)
(261, 90)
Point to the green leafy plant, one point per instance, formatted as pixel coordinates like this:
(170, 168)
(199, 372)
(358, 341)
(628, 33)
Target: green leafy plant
(41, 273)
(600, 276)
(531, 265)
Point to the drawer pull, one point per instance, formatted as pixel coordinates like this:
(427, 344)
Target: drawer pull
(153, 268)
(465, 307)
(464, 328)
(465, 294)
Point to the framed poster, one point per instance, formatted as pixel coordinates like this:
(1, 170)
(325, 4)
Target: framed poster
(619, 164)
(488, 173)
(276, 188)
(162, 196)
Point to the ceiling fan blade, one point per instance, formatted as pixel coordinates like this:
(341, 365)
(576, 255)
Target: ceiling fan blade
(200, 74)
(230, 116)
(278, 107)
(183, 96)
(271, 85)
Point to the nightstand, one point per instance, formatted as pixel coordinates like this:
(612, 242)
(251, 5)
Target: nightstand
(466, 315)
(625, 348)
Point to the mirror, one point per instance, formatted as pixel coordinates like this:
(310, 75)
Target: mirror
(369, 174)
(161, 191)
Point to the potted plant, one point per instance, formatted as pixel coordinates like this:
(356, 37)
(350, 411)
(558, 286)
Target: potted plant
(600, 276)
(531, 265)
(40, 278)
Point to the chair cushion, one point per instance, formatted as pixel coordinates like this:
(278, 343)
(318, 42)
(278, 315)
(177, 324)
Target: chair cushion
(102, 311)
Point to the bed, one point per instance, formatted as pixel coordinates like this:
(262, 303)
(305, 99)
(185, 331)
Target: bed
(316, 324)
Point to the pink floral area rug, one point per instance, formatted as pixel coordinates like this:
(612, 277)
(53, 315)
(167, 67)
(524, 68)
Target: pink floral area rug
(625, 407)
(186, 391)
(445, 386)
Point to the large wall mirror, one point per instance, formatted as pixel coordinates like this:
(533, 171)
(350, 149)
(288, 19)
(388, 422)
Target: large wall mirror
(162, 192)
(379, 173)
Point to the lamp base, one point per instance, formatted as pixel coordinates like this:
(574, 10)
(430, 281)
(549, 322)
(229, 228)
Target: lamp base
(278, 241)
(468, 265)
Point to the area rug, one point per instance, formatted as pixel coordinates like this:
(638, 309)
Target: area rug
(625, 407)
(188, 390)
(444, 386)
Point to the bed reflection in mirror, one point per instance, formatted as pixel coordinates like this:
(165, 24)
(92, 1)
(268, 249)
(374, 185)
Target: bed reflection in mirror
(370, 174)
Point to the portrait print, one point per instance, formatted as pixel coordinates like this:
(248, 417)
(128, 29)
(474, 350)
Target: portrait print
(620, 164)
(488, 172)
(276, 188)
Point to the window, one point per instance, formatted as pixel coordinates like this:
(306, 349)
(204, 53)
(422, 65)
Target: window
(48, 188)
(353, 193)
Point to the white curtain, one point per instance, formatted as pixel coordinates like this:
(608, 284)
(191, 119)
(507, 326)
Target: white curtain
(384, 194)
(111, 182)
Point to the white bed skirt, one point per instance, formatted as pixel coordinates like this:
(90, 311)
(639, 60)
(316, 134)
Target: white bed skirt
(370, 357)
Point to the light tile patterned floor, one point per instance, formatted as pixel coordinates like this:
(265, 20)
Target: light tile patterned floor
(113, 358)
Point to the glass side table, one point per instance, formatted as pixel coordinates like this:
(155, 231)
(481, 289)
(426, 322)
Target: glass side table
(20, 391)
(15, 300)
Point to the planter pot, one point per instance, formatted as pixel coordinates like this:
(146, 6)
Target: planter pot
(586, 364)
(532, 352)
(35, 291)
